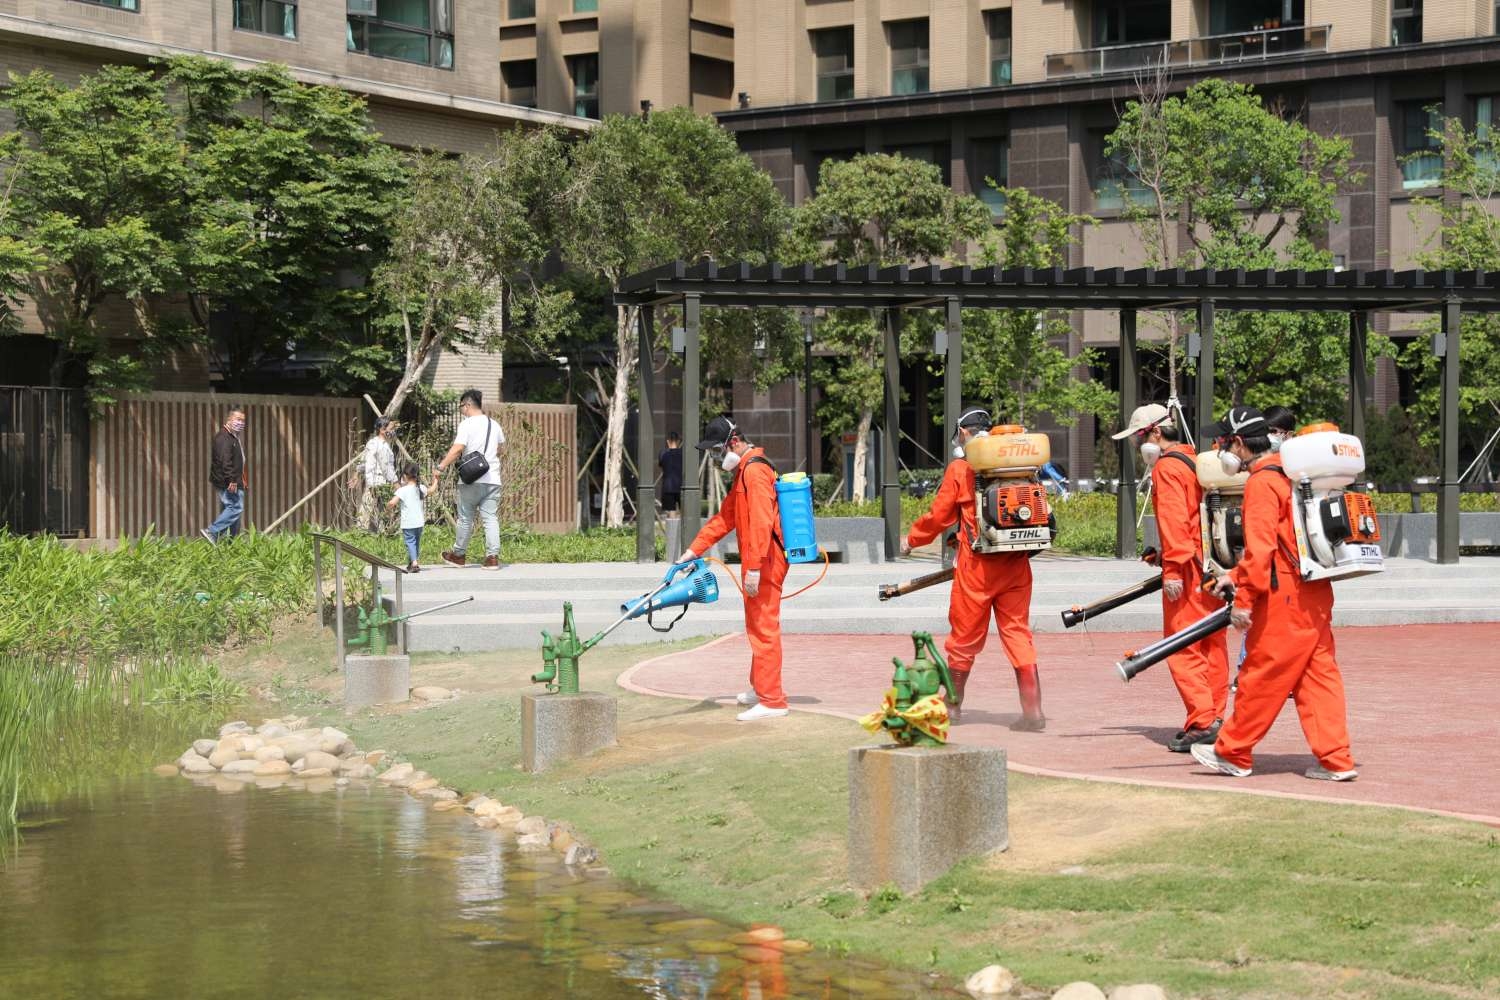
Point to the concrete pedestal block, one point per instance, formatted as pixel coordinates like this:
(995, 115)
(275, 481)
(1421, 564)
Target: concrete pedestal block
(558, 727)
(375, 680)
(914, 812)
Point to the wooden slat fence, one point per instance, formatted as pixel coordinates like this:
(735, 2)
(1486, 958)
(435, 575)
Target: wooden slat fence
(150, 457)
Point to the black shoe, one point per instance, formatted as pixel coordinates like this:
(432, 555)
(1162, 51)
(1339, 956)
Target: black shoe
(1183, 741)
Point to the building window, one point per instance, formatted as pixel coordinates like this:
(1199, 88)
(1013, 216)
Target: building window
(131, 5)
(272, 17)
(990, 160)
(585, 6)
(1485, 110)
(833, 50)
(998, 22)
(1115, 182)
(416, 31)
(585, 73)
(1406, 22)
(1122, 22)
(518, 10)
(909, 57)
(519, 80)
(1421, 153)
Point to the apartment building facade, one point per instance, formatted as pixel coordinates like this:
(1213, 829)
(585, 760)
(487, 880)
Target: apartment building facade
(1025, 91)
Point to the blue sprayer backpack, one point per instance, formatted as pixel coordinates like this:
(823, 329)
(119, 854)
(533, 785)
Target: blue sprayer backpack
(794, 507)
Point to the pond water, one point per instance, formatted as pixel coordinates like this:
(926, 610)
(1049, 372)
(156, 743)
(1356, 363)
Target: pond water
(165, 887)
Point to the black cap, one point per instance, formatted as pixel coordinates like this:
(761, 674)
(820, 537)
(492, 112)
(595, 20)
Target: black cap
(975, 419)
(717, 433)
(1241, 422)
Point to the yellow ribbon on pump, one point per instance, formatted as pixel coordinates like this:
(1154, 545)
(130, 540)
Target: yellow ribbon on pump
(928, 716)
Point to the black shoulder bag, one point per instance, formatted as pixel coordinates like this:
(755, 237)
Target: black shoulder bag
(473, 464)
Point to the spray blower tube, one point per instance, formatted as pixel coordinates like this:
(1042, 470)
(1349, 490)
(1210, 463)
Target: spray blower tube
(1135, 663)
(699, 586)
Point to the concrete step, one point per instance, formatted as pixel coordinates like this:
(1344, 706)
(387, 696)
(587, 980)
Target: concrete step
(515, 604)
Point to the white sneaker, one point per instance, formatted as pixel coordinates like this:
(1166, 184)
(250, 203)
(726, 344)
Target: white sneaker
(1204, 754)
(1321, 773)
(760, 712)
(212, 538)
(747, 698)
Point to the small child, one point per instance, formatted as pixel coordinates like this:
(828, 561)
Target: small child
(413, 516)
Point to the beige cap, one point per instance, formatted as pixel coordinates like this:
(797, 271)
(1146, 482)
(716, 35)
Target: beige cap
(1144, 417)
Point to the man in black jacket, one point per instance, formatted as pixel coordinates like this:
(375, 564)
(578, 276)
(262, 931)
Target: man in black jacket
(226, 471)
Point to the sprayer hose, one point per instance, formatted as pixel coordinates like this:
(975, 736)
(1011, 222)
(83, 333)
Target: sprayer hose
(734, 577)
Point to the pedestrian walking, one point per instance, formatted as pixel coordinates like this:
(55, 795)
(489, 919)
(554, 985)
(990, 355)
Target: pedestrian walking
(670, 463)
(476, 450)
(409, 496)
(377, 469)
(226, 472)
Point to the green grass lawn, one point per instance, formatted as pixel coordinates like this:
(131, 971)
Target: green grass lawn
(1210, 895)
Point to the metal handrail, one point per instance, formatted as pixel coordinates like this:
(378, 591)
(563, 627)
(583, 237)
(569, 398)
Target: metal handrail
(376, 564)
(1184, 51)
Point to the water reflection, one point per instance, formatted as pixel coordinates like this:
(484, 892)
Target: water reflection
(174, 888)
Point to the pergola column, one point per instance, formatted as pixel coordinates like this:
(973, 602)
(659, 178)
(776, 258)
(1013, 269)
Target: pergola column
(1447, 512)
(953, 390)
(645, 443)
(1204, 414)
(1125, 495)
(1359, 373)
(890, 435)
(691, 508)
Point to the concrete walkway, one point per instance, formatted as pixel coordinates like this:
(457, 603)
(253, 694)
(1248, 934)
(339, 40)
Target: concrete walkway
(1423, 705)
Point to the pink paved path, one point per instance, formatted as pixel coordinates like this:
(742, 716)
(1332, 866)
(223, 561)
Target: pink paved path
(1424, 701)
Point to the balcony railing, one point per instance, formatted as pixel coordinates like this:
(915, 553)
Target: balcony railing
(1209, 50)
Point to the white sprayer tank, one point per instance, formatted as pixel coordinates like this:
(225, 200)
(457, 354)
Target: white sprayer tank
(1211, 474)
(1329, 458)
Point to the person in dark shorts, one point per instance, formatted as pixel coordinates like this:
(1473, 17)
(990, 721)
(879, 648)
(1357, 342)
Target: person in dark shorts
(670, 463)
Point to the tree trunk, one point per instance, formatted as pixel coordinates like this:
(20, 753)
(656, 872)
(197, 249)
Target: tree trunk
(614, 423)
(414, 367)
(861, 452)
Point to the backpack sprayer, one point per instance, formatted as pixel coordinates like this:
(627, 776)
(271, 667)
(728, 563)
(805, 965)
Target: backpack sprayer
(1338, 534)
(1010, 502)
(560, 653)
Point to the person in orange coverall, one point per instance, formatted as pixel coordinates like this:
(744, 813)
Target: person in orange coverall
(997, 583)
(1201, 671)
(750, 510)
(1290, 641)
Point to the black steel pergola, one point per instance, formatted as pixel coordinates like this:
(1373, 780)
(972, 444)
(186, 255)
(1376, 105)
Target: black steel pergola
(1356, 294)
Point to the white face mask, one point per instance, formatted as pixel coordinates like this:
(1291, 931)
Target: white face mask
(1276, 440)
(1231, 462)
(730, 460)
(1150, 452)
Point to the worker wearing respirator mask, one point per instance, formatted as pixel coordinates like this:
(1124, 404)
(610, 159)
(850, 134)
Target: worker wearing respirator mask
(984, 584)
(750, 511)
(1201, 671)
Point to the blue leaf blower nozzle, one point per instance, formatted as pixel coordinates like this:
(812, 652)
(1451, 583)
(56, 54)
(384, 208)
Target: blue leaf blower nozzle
(699, 586)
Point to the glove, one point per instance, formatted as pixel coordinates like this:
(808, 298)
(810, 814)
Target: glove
(752, 583)
(1172, 587)
(1239, 618)
(905, 547)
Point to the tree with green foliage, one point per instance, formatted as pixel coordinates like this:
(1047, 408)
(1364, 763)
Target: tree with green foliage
(1247, 186)
(1467, 236)
(290, 196)
(467, 248)
(645, 191)
(100, 186)
(19, 260)
(1012, 360)
(884, 210)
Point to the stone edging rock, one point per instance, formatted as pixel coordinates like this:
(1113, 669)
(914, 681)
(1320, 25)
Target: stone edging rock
(287, 750)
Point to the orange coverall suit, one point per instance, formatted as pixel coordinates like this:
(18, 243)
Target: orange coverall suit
(996, 583)
(1201, 671)
(1290, 645)
(750, 511)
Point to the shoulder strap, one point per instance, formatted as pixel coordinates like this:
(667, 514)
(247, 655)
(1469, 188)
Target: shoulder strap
(1269, 468)
(1182, 457)
(760, 460)
(488, 423)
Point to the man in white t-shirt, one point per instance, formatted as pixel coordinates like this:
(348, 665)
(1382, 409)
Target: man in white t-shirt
(476, 433)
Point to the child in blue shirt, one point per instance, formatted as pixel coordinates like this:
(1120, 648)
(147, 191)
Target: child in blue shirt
(413, 516)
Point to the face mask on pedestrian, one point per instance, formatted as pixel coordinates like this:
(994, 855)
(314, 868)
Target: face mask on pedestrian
(1150, 452)
(1230, 461)
(729, 461)
(1276, 440)
(959, 441)
(235, 426)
